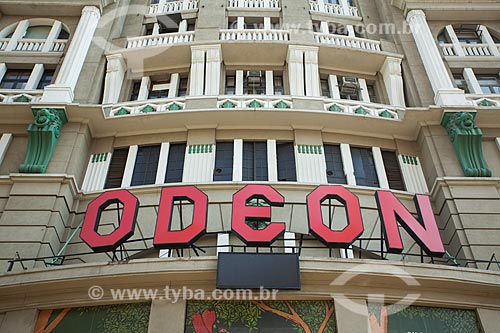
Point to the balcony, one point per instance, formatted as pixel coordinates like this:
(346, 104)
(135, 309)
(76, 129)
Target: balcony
(260, 35)
(362, 108)
(34, 45)
(333, 9)
(486, 100)
(254, 102)
(253, 4)
(145, 107)
(346, 41)
(474, 50)
(160, 40)
(172, 7)
(20, 96)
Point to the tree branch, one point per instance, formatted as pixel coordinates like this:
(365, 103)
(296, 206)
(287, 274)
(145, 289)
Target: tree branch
(293, 317)
(328, 315)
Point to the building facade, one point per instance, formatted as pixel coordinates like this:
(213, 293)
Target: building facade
(141, 97)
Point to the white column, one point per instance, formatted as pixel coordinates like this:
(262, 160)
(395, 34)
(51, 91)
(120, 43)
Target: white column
(199, 160)
(4, 145)
(347, 253)
(324, 27)
(53, 34)
(63, 89)
(213, 74)
(296, 70)
(223, 243)
(272, 161)
(334, 86)
(239, 83)
(156, 29)
(487, 39)
(350, 31)
(497, 140)
(345, 151)
(241, 23)
(454, 40)
(393, 81)
(289, 242)
(238, 160)
(115, 74)
(174, 85)
(321, 5)
(472, 82)
(446, 93)
(19, 33)
(267, 23)
(144, 89)
(345, 6)
(197, 81)
(364, 95)
(129, 166)
(380, 168)
(183, 26)
(34, 79)
(312, 72)
(3, 70)
(269, 83)
(162, 163)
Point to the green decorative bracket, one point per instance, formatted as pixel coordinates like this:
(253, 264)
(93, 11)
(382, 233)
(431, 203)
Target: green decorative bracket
(255, 104)
(174, 107)
(281, 105)
(485, 102)
(43, 134)
(386, 114)
(361, 110)
(467, 141)
(22, 99)
(335, 108)
(148, 109)
(122, 112)
(228, 105)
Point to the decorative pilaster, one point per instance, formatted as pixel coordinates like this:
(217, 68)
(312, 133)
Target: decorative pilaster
(43, 134)
(467, 141)
(64, 87)
(97, 169)
(445, 92)
(115, 74)
(311, 164)
(393, 80)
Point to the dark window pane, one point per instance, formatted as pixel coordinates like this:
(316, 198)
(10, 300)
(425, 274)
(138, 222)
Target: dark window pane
(230, 85)
(136, 87)
(116, 168)
(255, 161)
(47, 77)
(286, 162)
(175, 165)
(224, 161)
(183, 87)
(334, 167)
(279, 87)
(325, 88)
(146, 165)
(393, 171)
(254, 83)
(15, 79)
(364, 167)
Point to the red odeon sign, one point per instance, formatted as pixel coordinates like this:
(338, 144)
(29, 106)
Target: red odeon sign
(392, 212)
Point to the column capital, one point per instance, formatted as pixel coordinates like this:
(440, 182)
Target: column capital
(92, 10)
(415, 13)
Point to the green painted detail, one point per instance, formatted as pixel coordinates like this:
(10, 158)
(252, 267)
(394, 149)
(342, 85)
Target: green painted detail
(485, 102)
(335, 108)
(281, 105)
(174, 107)
(467, 141)
(22, 99)
(98, 158)
(122, 112)
(361, 110)
(200, 149)
(310, 149)
(410, 160)
(386, 114)
(148, 109)
(43, 134)
(255, 104)
(228, 105)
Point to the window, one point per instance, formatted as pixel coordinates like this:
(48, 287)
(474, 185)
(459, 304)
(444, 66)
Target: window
(468, 35)
(325, 88)
(255, 161)
(146, 165)
(183, 86)
(38, 32)
(286, 162)
(349, 88)
(490, 83)
(159, 89)
(254, 83)
(279, 87)
(47, 77)
(116, 168)
(136, 88)
(334, 167)
(15, 79)
(224, 161)
(175, 165)
(393, 171)
(372, 93)
(230, 84)
(364, 167)
(460, 82)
